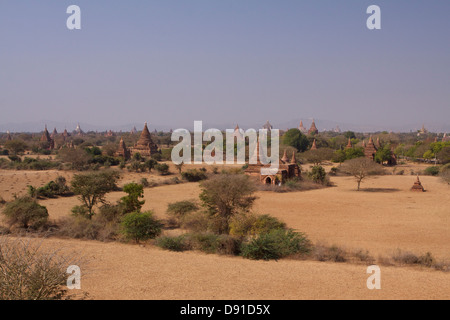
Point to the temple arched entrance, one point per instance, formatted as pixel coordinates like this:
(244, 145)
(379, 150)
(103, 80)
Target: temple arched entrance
(268, 180)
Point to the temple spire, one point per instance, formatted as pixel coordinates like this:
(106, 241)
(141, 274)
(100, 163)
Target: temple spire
(293, 160)
(314, 146)
(285, 158)
(349, 144)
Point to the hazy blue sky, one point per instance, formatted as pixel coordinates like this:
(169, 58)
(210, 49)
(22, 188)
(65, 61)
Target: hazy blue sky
(175, 61)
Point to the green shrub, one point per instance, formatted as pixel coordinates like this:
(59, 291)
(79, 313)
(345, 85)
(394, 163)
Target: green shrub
(173, 243)
(275, 245)
(25, 212)
(52, 189)
(194, 175)
(131, 202)
(141, 226)
(432, 171)
(81, 211)
(228, 245)
(252, 225)
(162, 168)
(318, 175)
(206, 242)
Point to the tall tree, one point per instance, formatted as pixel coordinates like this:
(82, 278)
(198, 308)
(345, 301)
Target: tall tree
(226, 195)
(294, 138)
(360, 168)
(92, 187)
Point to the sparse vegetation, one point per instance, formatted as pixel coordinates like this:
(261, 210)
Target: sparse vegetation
(28, 272)
(194, 175)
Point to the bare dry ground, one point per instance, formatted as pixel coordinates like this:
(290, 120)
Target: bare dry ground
(382, 217)
(123, 271)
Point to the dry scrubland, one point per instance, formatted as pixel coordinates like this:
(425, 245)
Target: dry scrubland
(382, 217)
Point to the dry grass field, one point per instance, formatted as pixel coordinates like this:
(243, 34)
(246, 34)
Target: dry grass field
(384, 216)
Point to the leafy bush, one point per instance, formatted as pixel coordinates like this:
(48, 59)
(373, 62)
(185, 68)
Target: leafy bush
(252, 225)
(275, 245)
(81, 211)
(52, 189)
(140, 226)
(131, 201)
(432, 171)
(173, 243)
(162, 168)
(25, 212)
(194, 175)
(318, 175)
(206, 242)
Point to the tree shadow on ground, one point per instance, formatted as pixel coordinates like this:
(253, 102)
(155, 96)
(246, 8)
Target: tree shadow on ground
(385, 190)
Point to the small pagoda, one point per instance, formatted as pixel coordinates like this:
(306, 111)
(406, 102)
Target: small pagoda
(122, 151)
(370, 149)
(349, 144)
(314, 146)
(417, 186)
